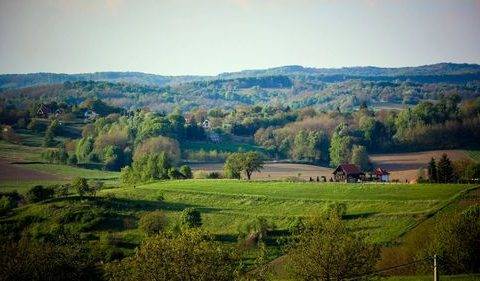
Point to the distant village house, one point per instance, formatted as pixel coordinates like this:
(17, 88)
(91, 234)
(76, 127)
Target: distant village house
(348, 173)
(382, 175)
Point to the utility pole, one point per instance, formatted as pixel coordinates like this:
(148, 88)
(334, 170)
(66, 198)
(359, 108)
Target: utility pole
(435, 271)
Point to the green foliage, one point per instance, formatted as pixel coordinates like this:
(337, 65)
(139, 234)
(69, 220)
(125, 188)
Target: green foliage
(113, 158)
(255, 231)
(455, 241)
(6, 204)
(72, 160)
(28, 260)
(36, 126)
(329, 250)
(186, 171)
(233, 166)
(191, 218)
(56, 156)
(81, 186)
(174, 174)
(311, 145)
(39, 193)
(360, 157)
(247, 162)
(49, 140)
(190, 256)
(149, 167)
(153, 223)
(432, 171)
(340, 146)
(84, 148)
(445, 170)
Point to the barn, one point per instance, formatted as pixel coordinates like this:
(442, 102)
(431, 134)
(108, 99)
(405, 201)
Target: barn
(348, 173)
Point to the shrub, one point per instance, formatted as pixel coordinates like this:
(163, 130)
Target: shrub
(153, 223)
(186, 171)
(62, 190)
(81, 186)
(39, 193)
(296, 226)
(27, 260)
(191, 217)
(255, 231)
(174, 174)
(36, 126)
(72, 160)
(56, 156)
(213, 175)
(328, 250)
(456, 239)
(189, 256)
(6, 204)
(9, 135)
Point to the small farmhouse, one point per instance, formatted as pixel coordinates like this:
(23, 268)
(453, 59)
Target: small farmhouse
(348, 173)
(382, 175)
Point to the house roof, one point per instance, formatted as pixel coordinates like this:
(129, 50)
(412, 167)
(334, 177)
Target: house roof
(349, 169)
(381, 172)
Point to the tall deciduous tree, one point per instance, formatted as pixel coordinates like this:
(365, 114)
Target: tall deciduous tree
(193, 255)
(328, 250)
(360, 157)
(340, 146)
(246, 162)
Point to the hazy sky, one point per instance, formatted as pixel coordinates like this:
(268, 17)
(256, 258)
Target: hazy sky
(211, 36)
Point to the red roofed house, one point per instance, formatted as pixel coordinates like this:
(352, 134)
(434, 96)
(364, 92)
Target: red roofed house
(382, 174)
(348, 173)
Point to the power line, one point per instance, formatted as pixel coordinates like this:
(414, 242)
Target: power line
(388, 269)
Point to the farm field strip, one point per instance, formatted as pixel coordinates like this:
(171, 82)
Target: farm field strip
(322, 191)
(226, 205)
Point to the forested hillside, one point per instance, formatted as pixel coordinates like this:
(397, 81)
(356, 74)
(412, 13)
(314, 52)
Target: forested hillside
(296, 91)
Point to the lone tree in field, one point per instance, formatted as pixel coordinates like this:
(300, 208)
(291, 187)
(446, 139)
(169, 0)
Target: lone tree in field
(247, 162)
(445, 169)
(432, 171)
(328, 250)
(81, 186)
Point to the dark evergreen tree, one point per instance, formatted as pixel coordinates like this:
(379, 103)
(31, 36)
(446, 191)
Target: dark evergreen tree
(432, 171)
(49, 140)
(445, 169)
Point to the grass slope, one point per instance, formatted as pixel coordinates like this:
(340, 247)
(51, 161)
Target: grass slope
(382, 211)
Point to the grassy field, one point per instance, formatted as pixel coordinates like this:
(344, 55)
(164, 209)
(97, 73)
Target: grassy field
(22, 167)
(382, 211)
(474, 154)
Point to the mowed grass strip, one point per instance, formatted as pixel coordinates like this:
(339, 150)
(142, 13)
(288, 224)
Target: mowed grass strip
(315, 191)
(381, 211)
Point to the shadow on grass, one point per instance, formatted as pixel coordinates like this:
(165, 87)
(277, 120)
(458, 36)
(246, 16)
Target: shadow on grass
(359, 215)
(123, 204)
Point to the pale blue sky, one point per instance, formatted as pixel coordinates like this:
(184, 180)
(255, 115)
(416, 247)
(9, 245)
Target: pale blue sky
(174, 37)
